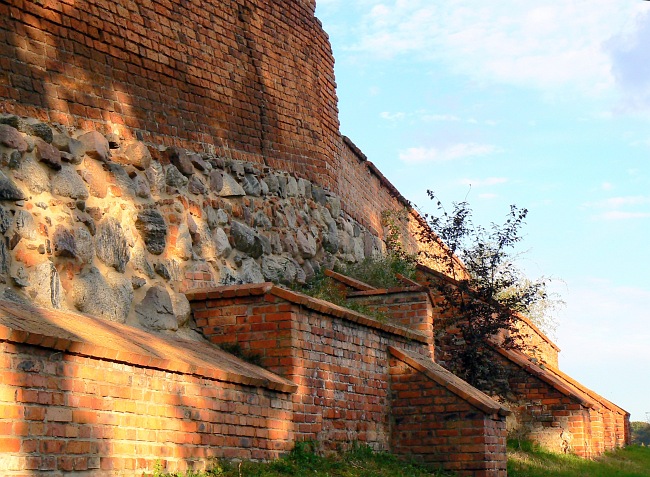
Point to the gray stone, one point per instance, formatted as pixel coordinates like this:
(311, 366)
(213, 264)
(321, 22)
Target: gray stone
(289, 244)
(334, 206)
(282, 185)
(199, 163)
(211, 215)
(156, 310)
(331, 237)
(231, 187)
(246, 240)
(251, 272)
(138, 282)
(169, 269)
(33, 175)
(39, 129)
(64, 242)
(67, 183)
(319, 195)
(262, 221)
(96, 177)
(25, 225)
(292, 187)
(221, 243)
(183, 246)
(181, 307)
(142, 187)
(216, 181)
(237, 168)
(96, 145)
(10, 137)
(113, 140)
(272, 183)
(140, 263)
(304, 188)
(251, 185)
(85, 245)
(66, 144)
(280, 269)
(229, 277)
(45, 285)
(135, 154)
(111, 245)
(5, 258)
(222, 217)
(48, 154)
(180, 159)
(196, 186)
(306, 244)
(12, 120)
(20, 277)
(156, 176)
(308, 270)
(107, 296)
(9, 190)
(122, 179)
(153, 230)
(264, 188)
(14, 160)
(6, 220)
(174, 178)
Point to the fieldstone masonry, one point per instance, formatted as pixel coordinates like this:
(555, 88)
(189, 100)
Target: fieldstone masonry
(124, 219)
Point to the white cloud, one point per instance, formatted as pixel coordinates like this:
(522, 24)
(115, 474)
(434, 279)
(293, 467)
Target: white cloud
(422, 155)
(621, 208)
(392, 116)
(554, 44)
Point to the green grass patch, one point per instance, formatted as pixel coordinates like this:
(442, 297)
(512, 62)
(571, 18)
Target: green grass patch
(360, 461)
(532, 461)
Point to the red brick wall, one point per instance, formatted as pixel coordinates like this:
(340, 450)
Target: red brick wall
(250, 80)
(61, 413)
(341, 367)
(461, 438)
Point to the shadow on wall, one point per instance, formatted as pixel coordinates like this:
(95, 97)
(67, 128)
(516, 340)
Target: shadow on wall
(215, 74)
(66, 411)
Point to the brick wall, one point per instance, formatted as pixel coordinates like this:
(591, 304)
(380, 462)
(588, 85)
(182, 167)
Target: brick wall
(63, 413)
(464, 437)
(338, 358)
(251, 80)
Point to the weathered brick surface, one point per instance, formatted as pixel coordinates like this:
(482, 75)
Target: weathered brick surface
(251, 80)
(461, 438)
(68, 413)
(339, 362)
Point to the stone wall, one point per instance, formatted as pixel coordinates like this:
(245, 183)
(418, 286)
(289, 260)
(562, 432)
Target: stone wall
(119, 229)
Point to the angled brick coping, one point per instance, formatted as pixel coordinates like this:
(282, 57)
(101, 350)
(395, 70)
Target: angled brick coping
(552, 379)
(450, 381)
(321, 306)
(351, 282)
(96, 338)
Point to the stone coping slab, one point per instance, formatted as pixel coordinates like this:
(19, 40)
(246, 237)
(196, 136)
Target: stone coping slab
(451, 382)
(93, 337)
(315, 304)
(349, 281)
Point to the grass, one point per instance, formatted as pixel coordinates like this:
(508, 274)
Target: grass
(532, 461)
(360, 461)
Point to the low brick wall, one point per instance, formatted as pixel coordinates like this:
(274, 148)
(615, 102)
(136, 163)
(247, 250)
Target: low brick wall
(468, 432)
(79, 396)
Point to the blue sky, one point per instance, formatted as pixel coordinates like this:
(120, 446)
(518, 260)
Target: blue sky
(545, 105)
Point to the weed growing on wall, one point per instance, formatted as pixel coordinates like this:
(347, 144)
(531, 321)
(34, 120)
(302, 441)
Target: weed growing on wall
(484, 302)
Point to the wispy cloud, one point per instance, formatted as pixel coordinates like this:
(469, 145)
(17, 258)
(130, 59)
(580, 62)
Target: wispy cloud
(430, 117)
(423, 155)
(621, 208)
(556, 43)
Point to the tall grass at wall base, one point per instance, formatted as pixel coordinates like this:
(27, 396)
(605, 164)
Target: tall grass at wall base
(531, 461)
